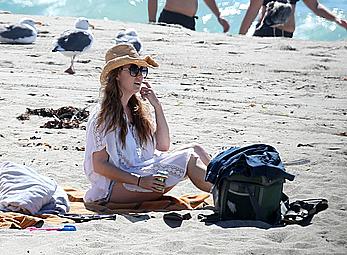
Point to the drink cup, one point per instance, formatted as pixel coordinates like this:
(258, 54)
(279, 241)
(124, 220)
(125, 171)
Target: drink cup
(161, 176)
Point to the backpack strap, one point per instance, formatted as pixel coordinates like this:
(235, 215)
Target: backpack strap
(255, 205)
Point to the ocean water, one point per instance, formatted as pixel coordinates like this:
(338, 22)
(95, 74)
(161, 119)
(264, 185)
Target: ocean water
(309, 26)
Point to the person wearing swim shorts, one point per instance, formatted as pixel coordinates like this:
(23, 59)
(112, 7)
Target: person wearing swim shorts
(183, 12)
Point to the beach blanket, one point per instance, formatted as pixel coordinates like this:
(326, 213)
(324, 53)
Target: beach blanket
(77, 206)
(166, 203)
(19, 220)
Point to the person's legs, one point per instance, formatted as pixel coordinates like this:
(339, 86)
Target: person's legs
(203, 155)
(196, 172)
(199, 150)
(121, 195)
(196, 168)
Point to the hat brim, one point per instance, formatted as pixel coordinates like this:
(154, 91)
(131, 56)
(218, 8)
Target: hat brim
(122, 61)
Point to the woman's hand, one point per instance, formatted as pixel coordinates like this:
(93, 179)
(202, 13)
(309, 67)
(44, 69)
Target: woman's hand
(162, 133)
(152, 183)
(148, 93)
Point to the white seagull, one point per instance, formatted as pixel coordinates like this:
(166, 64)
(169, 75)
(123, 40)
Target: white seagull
(24, 32)
(129, 36)
(74, 42)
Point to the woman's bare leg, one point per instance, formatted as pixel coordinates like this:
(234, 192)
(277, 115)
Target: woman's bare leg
(204, 156)
(200, 151)
(196, 172)
(121, 195)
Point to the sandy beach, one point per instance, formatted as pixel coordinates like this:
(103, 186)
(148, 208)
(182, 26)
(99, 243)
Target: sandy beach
(218, 91)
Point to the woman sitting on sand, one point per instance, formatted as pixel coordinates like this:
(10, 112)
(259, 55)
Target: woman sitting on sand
(288, 28)
(124, 150)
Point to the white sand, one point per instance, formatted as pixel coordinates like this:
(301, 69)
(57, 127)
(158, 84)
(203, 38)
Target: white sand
(218, 91)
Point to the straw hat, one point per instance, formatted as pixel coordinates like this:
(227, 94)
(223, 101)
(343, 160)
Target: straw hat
(121, 55)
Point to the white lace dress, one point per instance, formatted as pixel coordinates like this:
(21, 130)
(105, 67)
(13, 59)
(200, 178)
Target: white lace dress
(132, 158)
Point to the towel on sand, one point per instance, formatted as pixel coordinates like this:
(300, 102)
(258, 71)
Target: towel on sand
(77, 206)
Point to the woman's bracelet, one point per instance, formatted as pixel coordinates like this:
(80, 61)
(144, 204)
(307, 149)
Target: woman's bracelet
(138, 181)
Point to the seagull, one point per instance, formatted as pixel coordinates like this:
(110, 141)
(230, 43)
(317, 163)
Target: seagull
(24, 32)
(129, 36)
(74, 42)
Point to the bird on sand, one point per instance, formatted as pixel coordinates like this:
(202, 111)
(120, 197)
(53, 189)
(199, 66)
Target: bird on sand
(75, 41)
(129, 36)
(24, 32)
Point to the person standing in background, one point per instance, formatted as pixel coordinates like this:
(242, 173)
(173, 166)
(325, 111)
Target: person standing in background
(183, 12)
(288, 28)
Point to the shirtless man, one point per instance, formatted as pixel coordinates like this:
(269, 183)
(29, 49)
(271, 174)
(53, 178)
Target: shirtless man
(182, 12)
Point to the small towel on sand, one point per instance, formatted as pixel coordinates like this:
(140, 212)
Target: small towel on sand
(19, 220)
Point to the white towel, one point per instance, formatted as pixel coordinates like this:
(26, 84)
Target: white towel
(23, 189)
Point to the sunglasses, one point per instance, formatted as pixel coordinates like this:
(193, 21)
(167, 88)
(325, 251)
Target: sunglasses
(134, 70)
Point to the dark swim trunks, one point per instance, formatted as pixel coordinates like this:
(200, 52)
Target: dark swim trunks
(266, 31)
(170, 17)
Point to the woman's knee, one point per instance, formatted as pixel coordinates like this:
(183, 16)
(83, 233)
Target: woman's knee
(199, 152)
(202, 153)
(196, 147)
(199, 149)
(192, 161)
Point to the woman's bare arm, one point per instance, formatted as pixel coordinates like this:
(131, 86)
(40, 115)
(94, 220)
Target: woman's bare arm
(152, 10)
(215, 10)
(162, 133)
(103, 167)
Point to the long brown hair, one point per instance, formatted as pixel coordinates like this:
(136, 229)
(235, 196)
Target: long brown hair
(112, 114)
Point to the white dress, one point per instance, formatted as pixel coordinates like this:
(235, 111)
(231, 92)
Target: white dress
(131, 158)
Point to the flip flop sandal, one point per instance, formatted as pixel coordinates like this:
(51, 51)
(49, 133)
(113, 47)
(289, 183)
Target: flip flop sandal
(302, 211)
(176, 216)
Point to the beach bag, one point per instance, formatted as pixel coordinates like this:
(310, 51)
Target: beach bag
(248, 183)
(277, 13)
(244, 198)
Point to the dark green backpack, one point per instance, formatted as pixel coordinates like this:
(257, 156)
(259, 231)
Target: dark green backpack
(239, 197)
(248, 183)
